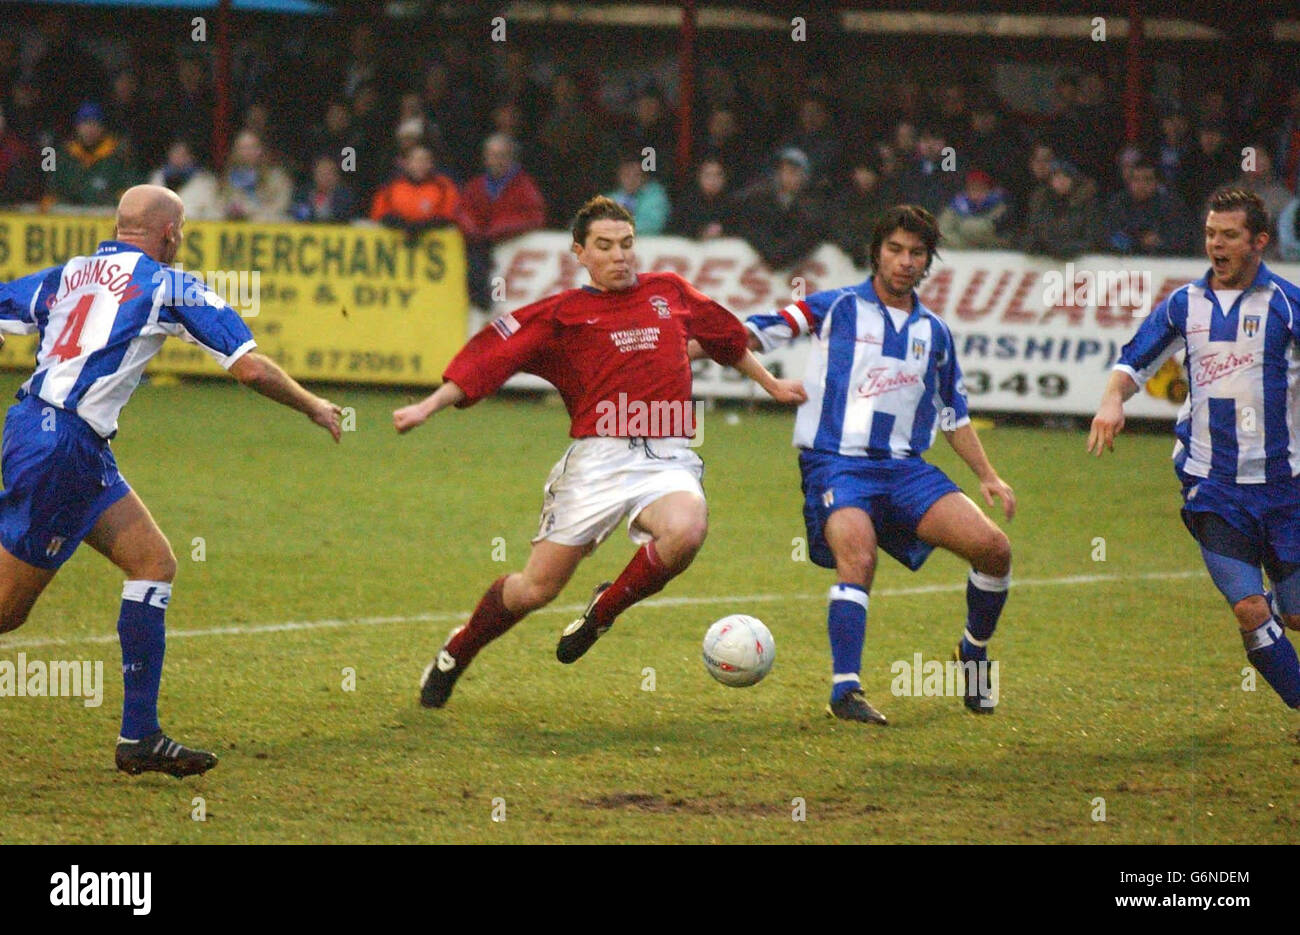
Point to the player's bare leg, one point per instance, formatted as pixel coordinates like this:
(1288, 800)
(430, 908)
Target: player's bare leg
(851, 535)
(549, 567)
(852, 538)
(1251, 612)
(20, 585)
(678, 524)
(955, 523)
(127, 536)
(508, 600)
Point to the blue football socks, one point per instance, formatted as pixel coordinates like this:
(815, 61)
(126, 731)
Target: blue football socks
(1269, 651)
(985, 598)
(141, 631)
(846, 621)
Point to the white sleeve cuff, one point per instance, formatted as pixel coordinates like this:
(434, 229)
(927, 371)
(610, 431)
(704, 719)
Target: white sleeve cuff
(1125, 368)
(765, 343)
(229, 361)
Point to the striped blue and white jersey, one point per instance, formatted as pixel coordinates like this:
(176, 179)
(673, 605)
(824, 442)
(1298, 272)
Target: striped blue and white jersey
(101, 318)
(1241, 420)
(880, 381)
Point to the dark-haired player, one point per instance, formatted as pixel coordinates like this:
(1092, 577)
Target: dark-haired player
(1237, 447)
(617, 352)
(882, 378)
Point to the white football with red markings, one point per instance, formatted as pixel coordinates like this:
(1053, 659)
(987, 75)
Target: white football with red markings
(739, 650)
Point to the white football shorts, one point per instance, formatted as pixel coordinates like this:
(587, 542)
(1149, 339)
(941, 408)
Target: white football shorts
(601, 480)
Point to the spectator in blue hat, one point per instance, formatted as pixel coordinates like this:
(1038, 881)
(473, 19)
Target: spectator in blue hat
(91, 168)
(781, 217)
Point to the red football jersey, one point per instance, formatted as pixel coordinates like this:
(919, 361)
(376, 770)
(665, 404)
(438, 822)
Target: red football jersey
(603, 350)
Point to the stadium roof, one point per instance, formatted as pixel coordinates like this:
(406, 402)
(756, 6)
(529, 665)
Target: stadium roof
(1203, 20)
(245, 6)
(1010, 19)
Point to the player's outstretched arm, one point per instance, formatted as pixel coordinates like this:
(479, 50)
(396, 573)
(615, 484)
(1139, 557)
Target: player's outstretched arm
(408, 417)
(783, 391)
(967, 444)
(1109, 420)
(695, 350)
(259, 372)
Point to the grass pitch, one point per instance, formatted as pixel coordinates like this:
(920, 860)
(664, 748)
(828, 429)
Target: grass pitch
(330, 576)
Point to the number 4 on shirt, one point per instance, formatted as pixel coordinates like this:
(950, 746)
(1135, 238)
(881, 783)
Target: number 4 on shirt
(68, 345)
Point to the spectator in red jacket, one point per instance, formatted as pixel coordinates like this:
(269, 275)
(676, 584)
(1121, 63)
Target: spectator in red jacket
(19, 180)
(504, 201)
(501, 203)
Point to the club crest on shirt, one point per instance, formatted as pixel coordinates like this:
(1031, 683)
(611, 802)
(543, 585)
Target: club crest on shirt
(1250, 325)
(828, 498)
(918, 348)
(660, 305)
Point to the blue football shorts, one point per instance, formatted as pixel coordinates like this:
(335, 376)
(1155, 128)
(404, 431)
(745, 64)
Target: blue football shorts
(895, 493)
(1266, 515)
(59, 477)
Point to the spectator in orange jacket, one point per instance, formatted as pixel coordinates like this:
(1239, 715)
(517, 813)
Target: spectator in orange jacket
(501, 203)
(419, 199)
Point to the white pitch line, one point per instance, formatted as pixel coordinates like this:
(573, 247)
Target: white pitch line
(457, 616)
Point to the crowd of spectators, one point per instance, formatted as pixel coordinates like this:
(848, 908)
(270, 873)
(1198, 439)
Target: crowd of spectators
(502, 147)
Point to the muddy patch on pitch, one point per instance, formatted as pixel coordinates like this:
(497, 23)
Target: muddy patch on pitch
(653, 803)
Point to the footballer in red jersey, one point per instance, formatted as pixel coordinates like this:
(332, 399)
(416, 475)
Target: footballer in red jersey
(617, 352)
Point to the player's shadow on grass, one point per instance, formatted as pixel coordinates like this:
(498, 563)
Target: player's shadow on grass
(519, 732)
(516, 731)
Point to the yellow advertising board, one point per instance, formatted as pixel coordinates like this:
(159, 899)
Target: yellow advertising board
(326, 301)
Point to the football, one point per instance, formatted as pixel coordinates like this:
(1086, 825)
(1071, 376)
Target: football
(739, 650)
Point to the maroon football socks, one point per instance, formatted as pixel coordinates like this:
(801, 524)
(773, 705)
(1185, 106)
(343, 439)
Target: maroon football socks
(489, 620)
(644, 575)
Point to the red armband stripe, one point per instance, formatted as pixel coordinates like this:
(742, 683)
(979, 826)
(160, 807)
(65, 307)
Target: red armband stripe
(806, 314)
